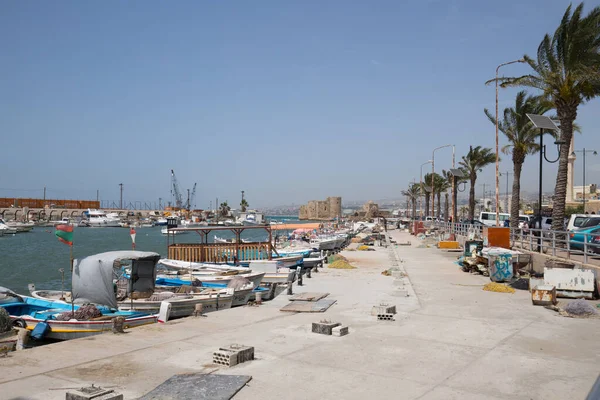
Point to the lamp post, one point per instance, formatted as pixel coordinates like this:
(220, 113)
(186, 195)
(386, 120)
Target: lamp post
(421, 186)
(542, 122)
(497, 148)
(507, 173)
(433, 175)
(583, 151)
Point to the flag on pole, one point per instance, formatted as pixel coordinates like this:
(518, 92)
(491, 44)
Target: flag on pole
(64, 233)
(132, 234)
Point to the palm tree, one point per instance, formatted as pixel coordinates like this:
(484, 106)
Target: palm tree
(473, 162)
(427, 193)
(522, 138)
(448, 176)
(225, 209)
(244, 205)
(412, 193)
(440, 185)
(567, 71)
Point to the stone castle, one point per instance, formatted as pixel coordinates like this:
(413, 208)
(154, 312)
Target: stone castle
(323, 210)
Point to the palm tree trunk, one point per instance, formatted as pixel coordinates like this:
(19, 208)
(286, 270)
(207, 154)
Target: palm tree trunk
(566, 115)
(446, 206)
(455, 202)
(472, 198)
(414, 208)
(439, 208)
(427, 195)
(515, 201)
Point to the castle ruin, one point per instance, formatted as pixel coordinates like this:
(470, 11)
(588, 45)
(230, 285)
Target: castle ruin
(322, 210)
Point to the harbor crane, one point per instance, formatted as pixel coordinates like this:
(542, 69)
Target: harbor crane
(176, 191)
(192, 198)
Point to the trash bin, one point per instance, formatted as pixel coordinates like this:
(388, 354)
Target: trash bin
(500, 266)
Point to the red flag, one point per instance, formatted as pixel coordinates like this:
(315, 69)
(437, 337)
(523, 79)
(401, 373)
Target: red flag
(64, 233)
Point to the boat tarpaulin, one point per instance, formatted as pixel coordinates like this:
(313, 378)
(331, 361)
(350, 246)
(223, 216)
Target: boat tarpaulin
(93, 276)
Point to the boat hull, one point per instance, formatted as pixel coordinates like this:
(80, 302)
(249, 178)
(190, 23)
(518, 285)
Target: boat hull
(181, 307)
(67, 330)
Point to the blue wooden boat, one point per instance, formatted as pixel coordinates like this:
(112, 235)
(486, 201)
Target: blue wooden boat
(29, 312)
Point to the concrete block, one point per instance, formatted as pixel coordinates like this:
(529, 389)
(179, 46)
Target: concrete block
(399, 282)
(245, 353)
(340, 331)
(383, 309)
(324, 327)
(233, 354)
(228, 358)
(385, 317)
(93, 393)
(543, 295)
(400, 293)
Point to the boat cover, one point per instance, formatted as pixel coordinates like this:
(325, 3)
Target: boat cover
(93, 276)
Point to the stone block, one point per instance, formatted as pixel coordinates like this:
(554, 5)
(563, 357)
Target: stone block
(324, 327)
(385, 317)
(383, 309)
(340, 331)
(93, 393)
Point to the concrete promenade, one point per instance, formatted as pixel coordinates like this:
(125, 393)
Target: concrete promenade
(450, 340)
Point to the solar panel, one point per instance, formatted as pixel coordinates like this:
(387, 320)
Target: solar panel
(459, 173)
(542, 122)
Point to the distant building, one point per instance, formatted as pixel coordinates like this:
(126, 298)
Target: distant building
(321, 209)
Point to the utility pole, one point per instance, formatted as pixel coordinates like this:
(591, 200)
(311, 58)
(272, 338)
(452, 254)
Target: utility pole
(189, 206)
(44, 195)
(121, 202)
(97, 195)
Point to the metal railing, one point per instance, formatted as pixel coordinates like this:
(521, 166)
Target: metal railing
(560, 244)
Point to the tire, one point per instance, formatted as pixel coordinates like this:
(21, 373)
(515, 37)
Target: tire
(19, 323)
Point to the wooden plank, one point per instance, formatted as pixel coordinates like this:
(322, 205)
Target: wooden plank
(308, 306)
(309, 296)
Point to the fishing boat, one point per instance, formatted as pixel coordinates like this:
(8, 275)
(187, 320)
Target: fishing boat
(207, 268)
(232, 240)
(323, 243)
(20, 226)
(241, 289)
(167, 231)
(56, 319)
(187, 278)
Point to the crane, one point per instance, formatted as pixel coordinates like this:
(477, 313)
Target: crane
(193, 198)
(175, 184)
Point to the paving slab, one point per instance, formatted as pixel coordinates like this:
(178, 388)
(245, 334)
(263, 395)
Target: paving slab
(198, 387)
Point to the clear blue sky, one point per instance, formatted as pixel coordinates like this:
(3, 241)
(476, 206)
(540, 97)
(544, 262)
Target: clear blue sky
(287, 100)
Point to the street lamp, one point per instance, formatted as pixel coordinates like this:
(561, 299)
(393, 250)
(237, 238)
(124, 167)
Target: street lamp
(584, 150)
(497, 148)
(542, 122)
(421, 186)
(507, 173)
(433, 174)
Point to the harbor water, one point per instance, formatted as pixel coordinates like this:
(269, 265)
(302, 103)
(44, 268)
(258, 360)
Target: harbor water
(37, 256)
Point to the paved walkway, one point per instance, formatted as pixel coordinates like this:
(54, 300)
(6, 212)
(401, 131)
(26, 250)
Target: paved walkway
(449, 341)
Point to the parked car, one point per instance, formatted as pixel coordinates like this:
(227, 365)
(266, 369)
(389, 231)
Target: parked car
(577, 220)
(577, 239)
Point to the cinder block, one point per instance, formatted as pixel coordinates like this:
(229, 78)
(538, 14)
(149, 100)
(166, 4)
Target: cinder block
(383, 309)
(245, 353)
(340, 331)
(400, 293)
(324, 327)
(385, 317)
(228, 358)
(93, 393)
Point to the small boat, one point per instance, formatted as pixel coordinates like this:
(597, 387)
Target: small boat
(63, 221)
(161, 222)
(208, 268)
(20, 226)
(186, 278)
(167, 231)
(6, 230)
(232, 240)
(242, 290)
(58, 323)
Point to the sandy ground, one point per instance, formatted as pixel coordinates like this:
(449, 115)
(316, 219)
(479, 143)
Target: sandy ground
(450, 340)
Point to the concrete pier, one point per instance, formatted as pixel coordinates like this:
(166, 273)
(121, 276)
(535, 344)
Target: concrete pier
(449, 340)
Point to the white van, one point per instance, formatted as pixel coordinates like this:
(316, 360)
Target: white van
(489, 218)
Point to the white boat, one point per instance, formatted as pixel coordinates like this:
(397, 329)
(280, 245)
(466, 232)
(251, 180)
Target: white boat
(323, 243)
(251, 217)
(182, 305)
(20, 226)
(166, 231)
(232, 240)
(98, 218)
(64, 221)
(253, 276)
(6, 230)
(210, 269)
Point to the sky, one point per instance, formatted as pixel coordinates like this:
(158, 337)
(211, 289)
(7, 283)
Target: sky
(286, 100)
